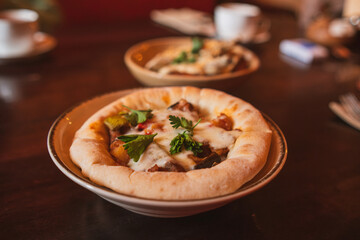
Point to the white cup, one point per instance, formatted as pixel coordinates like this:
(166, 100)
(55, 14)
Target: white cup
(17, 29)
(239, 21)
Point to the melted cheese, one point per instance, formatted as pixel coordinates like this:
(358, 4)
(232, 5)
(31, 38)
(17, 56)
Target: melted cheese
(217, 138)
(168, 133)
(153, 155)
(159, 151)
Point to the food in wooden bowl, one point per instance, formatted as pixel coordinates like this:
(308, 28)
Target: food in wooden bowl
(203, 57)
(186, 61)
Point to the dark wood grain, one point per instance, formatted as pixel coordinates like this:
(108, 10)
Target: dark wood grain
(315, 196)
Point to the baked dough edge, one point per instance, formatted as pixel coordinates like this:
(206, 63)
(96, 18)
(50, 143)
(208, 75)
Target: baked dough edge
(89, 149)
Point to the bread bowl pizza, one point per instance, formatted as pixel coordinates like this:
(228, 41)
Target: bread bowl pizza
(173, 143)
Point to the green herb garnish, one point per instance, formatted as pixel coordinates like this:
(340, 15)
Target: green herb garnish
(128, 138)
(192, 145)
(181, 58)
(197, 45)
(177, 143)
(138, 116)
(190, 57)
(177, 122)
(132, 119)
(135, 145)
(184, 139)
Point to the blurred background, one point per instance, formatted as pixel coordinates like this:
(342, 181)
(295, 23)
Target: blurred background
(65, 12)
(79, 54)
(311, 15)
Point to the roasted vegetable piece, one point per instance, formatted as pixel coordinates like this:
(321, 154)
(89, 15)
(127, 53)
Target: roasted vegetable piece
(205, 151)
(209, 161)
(222, 152)
(116, 122)
(182, 105)
(114, 135)
(223, 121)
(208, 157)
(118, 151)
(169, 167)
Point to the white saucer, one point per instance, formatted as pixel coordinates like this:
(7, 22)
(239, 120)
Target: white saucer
(43, 43)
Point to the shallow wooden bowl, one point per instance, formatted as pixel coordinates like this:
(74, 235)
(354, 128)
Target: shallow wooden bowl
(138, 55)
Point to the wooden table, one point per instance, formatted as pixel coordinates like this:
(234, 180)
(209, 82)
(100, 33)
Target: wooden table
(315, 196)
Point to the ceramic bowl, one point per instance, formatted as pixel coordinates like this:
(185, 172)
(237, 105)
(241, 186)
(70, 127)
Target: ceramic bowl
(138, 55)
(61, 135)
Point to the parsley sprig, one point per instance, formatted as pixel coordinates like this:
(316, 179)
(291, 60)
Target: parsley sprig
(198, 43)
(138, 116)
(135, 145)
(190, 56)
(184, 57)
(177, 122)
(184, 139)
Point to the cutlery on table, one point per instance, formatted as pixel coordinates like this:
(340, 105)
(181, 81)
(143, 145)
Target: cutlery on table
(348, 109)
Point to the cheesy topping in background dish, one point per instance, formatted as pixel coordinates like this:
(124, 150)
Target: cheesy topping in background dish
(205, 57)
(175, 139)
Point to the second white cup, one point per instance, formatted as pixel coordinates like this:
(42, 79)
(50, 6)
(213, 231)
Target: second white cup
(238, 21)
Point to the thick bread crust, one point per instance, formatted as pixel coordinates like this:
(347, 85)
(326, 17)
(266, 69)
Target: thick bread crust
(91, 143)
